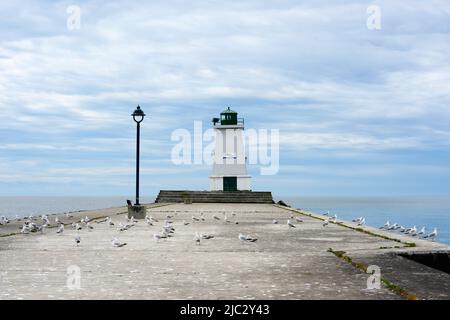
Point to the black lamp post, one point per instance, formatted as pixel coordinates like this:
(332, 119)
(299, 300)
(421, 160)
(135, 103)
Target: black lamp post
(138, 117)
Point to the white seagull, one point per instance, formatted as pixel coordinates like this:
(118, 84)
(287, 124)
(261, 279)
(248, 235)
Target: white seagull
(60, 229)
(298, 219)
(116, 243)
(386, 225)
(431, 235)
(393, 226)
(197, 238)
(421, 232)
(109, 221)
(77, 239)
(290, 224)
(246, 238)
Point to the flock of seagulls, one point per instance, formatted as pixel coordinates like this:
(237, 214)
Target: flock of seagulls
(31, 224)
(411, 231)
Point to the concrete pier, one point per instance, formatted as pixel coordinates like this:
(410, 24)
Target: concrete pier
(306, 262)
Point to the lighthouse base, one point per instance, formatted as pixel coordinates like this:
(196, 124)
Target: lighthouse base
(230, 183)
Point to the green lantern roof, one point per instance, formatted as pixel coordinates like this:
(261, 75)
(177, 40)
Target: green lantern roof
(228, 110)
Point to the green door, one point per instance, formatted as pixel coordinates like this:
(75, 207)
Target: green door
(229, 183)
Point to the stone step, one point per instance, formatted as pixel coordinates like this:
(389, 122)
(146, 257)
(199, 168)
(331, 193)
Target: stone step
(177, 196)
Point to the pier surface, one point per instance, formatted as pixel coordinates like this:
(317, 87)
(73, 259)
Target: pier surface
(281, 264)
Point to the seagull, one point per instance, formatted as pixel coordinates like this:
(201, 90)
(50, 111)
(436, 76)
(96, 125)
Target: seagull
(17, 218)
(133, 220)
(195, 219)
(169, 217)
(410, 230)
(326, 222)
(148, 222)
(116, 243)
(122, 227)
(357, 220)
(185, 223)
(160, 236)
(60, 229)
(25, 229)
(169, 229)
(68, 215)
(401, 229)
(421, 232)
(334, 218)
(216, 217)
(89, 226)
(431, 235)
(362, 221)
(298, 219)
(246, 238)
(386, 225)
(110, 222)
(166, 234)
(290, 224)
(393, 226)
(274, 221)
(77, 239)
(206, 236)
(56, 220)
(413, 231)
(197, 238)
(201, 216)
(78, 226)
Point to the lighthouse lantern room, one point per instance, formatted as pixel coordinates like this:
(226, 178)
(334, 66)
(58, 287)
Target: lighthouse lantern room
(229, 165)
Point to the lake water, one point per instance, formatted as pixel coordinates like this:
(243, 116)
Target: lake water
(407, 211)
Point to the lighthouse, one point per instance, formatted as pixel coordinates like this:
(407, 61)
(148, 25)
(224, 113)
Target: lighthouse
(229, 161)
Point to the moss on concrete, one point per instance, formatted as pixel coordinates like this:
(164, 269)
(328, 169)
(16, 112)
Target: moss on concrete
(363, 267)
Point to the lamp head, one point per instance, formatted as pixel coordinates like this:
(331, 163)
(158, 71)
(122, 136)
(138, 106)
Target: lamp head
(138, 115)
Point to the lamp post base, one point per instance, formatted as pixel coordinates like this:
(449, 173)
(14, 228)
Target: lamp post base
(137, 211)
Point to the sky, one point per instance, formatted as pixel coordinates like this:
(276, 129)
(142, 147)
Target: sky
(360, 111)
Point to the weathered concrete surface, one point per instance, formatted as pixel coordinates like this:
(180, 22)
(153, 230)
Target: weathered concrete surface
(282, 264)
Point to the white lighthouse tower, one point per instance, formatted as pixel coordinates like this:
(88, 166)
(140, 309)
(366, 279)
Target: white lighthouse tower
(229, 166)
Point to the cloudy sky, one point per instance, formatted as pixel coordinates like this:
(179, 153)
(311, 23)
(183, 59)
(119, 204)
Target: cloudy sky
(360, 111)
